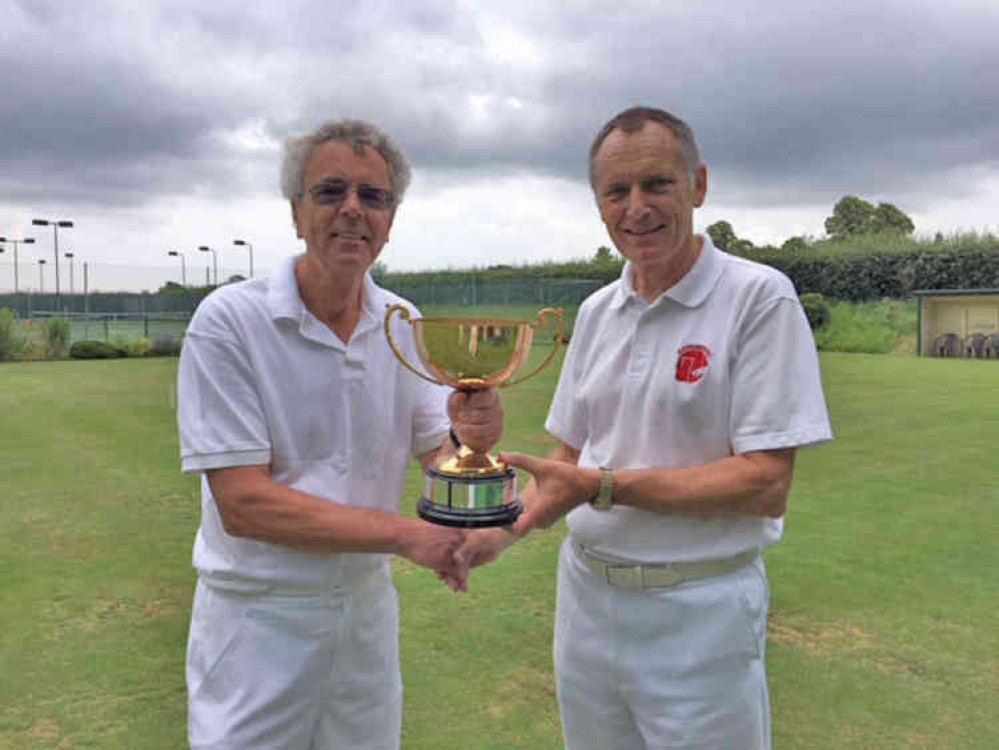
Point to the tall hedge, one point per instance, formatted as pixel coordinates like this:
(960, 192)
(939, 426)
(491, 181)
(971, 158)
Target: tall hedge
(858, 278)
(855, 277)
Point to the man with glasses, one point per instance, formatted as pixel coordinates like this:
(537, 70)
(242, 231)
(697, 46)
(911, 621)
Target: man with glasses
(301, 421)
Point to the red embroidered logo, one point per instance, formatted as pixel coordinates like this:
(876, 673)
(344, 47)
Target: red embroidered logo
(692, 363)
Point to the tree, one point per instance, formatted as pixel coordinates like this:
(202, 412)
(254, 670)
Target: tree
(604, 255)
(888, 218)
(171, 287)
(794, 244)
(724, 237)
(722, 234)
(851, 216)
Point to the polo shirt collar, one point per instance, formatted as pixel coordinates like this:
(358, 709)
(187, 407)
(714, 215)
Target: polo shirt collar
(690, 291)
(373, 301)
(283, 298)
(285, 301)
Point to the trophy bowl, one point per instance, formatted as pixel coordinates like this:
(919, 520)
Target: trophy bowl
(472, 489)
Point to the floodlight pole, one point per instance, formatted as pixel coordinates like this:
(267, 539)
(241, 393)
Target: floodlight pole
(183, 266)
(215, 261)
(41, 276)
(15, 243)
(55, 248)
(70, 256)
(247, 245)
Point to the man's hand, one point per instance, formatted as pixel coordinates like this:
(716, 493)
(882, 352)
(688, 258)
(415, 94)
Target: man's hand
(485, 545)
(477, 417)
(434, 547)
(559, 487)
(480, 547)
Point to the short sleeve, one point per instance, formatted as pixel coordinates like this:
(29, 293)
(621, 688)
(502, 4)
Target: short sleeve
(777, 399)
(430, 421)
(567, 415)
(219, 413)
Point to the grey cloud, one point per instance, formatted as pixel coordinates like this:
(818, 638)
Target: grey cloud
(791, 103)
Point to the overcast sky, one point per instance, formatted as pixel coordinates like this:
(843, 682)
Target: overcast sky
(158, 126)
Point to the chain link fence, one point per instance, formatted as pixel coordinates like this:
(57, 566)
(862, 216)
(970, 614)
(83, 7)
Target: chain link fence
(98, 310)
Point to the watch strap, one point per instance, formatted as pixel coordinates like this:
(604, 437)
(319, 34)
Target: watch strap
(604, 499)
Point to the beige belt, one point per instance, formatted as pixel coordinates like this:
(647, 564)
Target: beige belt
(630, 575)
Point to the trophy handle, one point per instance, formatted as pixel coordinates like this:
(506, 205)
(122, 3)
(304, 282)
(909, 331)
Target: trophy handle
(559, 336)
(404, 313)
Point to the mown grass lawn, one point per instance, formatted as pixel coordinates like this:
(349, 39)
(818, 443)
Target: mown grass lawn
(883, 589)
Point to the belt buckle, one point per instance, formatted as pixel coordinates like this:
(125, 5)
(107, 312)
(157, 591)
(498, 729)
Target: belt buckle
(624, 576)
(661, 576)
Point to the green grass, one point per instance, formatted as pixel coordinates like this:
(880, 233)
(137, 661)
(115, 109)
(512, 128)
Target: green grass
(882, 629)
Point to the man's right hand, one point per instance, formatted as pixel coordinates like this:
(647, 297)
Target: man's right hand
(482, 546)
(434, 547)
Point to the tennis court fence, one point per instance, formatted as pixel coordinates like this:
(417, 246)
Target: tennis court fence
(123, 316)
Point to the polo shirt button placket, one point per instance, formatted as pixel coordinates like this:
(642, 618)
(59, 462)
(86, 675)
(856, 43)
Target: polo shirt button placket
(641, 356)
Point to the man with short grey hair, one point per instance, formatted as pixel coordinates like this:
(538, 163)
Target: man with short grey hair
(301, 421)
(687, 388)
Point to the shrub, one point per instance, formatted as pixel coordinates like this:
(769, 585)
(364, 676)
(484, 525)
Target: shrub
(165, 345)
(122, 343)
(32, 351)
(11, 339)
(871, 327)
(56, 335)
(95, 350)
(139, 347)
(816, 309)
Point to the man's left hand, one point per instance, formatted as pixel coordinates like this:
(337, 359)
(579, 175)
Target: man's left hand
(477, 418)
(559, 487)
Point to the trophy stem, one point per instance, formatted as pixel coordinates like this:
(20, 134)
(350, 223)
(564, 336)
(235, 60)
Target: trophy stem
(475, 460)
(469, 463)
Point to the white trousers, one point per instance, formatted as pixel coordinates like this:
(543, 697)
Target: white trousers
(295, 670)
(649, 669)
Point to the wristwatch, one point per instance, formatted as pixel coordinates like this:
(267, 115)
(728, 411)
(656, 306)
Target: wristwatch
(604, 499)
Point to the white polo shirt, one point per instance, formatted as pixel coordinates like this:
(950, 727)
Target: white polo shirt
(722, 363)
(262, 381)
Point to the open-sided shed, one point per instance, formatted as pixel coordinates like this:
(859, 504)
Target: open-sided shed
(949, 320)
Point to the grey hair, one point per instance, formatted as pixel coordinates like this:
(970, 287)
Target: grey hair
(632, 120)
(359, 134)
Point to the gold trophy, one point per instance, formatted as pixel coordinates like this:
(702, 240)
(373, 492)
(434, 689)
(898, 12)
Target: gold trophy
(472, 489)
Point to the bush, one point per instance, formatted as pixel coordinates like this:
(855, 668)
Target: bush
(11, 339)
(139, 347)
(32, 351)
(874, 275)
(870, 327)
(816, 309)
(122, 343)
(165, 345)
(95, 350)
(56, 335)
